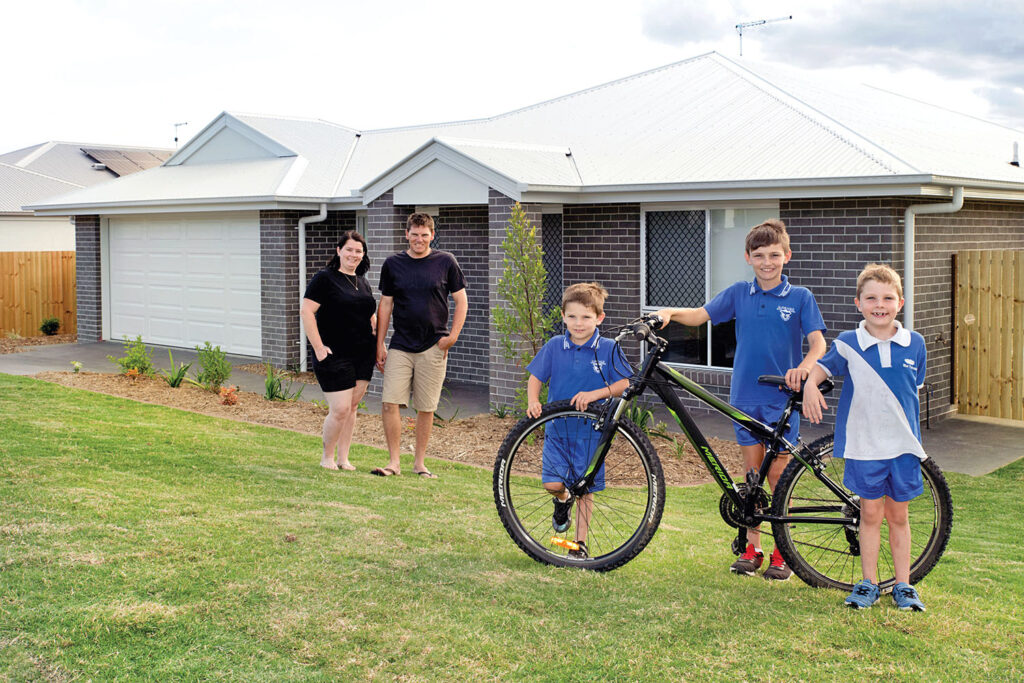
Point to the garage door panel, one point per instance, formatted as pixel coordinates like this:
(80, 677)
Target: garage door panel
(183, 281)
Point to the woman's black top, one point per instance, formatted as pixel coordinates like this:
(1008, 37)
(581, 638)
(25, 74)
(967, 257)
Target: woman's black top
(343, 319)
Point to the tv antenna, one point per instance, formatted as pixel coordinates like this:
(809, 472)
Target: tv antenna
(751, 24)
(185, 123)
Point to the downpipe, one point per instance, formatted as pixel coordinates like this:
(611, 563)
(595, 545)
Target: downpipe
(909, 226)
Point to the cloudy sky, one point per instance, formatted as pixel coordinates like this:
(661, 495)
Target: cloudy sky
(125, 71)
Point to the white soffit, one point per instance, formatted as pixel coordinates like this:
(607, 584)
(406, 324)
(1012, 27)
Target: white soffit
(439, 183)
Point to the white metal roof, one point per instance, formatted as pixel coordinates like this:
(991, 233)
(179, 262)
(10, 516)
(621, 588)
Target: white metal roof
(67, 161)
(20, 186)
(707, 120)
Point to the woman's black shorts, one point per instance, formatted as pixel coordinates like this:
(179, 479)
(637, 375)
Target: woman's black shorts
(339, 372)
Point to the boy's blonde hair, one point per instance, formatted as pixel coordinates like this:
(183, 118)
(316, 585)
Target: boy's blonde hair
(879, 272)
(772, 231)
(589, 294)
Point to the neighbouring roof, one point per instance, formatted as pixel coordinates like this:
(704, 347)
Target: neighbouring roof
(73, 161)
(706, 122)
(19, 186)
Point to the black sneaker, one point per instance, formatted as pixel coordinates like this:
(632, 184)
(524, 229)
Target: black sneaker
(560, 519)
(580, 554)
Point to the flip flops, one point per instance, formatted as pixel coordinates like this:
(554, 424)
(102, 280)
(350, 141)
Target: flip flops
(384, 472)
(426, 474)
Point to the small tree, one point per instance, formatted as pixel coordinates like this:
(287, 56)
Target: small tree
(522, 325)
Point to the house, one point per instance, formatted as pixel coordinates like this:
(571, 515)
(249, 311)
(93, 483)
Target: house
(647, 184)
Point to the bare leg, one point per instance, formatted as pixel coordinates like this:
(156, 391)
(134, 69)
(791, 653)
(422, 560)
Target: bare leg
(871, 514)
(896, 514)
(339, 408)
(424, 423)
(752, 457)
(584, 509)
(392, 419)
(345, 436)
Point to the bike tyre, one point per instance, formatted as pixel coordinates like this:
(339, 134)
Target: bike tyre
(820, 554)
(625, 514)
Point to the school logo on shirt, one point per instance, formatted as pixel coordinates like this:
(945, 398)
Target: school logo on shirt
(909, 364)
(786, 312)
(598, 366)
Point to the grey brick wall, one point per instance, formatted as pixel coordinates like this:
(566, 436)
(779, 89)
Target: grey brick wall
(279, 293)
(88, 278)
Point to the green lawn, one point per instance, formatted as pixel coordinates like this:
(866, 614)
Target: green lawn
(140, 542)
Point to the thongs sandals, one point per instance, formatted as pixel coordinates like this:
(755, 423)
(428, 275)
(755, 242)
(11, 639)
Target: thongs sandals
(426, 474)
(384, 472)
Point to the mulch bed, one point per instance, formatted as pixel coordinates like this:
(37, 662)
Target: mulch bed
(18, 344)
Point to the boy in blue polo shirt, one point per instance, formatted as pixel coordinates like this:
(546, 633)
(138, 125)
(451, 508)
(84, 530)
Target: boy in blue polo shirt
(772, 319)
(583, 366)
(884, 366)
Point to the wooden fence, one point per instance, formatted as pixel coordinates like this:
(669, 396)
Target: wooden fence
(37, 285)
(989, 333)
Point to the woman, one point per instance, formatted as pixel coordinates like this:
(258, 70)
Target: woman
(339, 314)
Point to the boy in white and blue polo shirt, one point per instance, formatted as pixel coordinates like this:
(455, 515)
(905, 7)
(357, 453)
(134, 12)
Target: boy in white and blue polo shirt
(878, 427)
(584, 367)
(773, 317)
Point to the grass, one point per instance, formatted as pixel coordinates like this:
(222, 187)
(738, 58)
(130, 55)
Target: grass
(141, 542)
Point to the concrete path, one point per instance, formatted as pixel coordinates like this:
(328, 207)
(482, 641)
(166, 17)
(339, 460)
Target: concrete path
(968, 445)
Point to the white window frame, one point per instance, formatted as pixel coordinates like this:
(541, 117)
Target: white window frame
(706, 207)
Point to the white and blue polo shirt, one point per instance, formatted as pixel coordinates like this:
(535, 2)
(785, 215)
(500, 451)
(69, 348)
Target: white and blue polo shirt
(879, 414)
(770, 329)
(570, 368)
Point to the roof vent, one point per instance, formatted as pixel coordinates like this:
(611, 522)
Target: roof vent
(1016, 156)
(99, 167)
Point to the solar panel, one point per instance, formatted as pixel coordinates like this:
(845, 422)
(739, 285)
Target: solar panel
(127, 161)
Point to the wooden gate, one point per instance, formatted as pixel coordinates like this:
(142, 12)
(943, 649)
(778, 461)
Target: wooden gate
(988, 328)
(35, 285)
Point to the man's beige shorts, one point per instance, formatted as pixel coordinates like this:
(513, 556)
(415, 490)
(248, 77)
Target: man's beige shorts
(422, 373)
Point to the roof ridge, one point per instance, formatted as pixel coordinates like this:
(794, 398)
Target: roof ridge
(788, 100)
(503, 144)
(41, 175)
(282, 117)
(941, 108)
(486, 119)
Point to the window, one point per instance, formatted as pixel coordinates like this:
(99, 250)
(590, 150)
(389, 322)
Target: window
(689, 256)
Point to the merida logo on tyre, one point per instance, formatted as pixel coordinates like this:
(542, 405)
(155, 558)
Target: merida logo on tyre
(501, 484)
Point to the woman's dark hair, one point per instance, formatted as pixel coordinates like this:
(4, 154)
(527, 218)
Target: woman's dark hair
(335, 262)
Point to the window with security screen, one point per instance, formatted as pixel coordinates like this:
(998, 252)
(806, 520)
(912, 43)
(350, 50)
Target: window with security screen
(689, 257)
(551, 245)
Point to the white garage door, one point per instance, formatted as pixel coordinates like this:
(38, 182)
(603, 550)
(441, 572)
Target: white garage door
(185, 280)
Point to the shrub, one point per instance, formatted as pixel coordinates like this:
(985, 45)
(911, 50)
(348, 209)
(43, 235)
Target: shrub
(229, 395)
(214, 368)
(275, 389)
(175, 375)
(76, 366)
(50, 326)
(136, 357)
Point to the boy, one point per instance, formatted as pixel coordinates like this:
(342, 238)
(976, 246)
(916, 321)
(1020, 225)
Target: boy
(884, 365)
(583, 366)
(772, 319)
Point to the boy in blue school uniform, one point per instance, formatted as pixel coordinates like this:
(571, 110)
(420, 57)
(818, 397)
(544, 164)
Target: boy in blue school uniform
(884, 365)
(773, 317)
(585, 367)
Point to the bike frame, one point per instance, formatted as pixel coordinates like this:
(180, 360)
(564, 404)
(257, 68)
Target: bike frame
(773, 438)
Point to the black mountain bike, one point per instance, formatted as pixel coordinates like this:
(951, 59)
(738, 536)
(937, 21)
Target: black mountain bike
(813, 517)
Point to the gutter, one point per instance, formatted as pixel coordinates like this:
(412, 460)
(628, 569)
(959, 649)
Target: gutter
(909, 226)
(303, 222)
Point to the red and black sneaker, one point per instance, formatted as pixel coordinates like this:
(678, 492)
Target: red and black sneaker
(777, 570)
(749, 562)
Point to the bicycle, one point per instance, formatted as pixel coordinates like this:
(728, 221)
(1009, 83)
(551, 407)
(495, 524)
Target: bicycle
(813, 517)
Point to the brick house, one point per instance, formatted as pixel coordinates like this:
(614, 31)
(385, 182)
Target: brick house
(647, 184)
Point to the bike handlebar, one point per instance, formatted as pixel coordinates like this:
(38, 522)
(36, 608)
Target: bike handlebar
(641, 327)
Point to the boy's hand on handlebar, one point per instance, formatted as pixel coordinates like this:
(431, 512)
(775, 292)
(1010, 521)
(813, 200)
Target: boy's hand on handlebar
(814, 403)
(795, 378)
(665, 317)
(533, 410)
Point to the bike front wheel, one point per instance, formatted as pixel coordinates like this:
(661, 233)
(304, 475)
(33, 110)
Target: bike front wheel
(828, 555)
(620, 513)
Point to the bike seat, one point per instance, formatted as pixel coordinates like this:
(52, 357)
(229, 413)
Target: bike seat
(780, 382)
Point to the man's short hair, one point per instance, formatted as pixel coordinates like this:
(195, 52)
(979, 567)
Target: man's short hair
(880, 272)
(419, 219)
(589, 294)
(772, 231)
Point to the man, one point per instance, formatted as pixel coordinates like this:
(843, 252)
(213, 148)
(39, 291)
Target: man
(414, 285)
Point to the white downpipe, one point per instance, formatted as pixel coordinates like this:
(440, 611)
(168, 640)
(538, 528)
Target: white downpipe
(302, 277)
(908, 247)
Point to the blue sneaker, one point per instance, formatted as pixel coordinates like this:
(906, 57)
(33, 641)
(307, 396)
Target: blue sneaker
(906, 598)
(864, 595)
(560, 518)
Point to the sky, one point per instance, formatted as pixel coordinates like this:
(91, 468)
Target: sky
(124, 71)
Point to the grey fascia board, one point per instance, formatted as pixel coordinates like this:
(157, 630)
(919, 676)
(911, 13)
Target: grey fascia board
(192, 204)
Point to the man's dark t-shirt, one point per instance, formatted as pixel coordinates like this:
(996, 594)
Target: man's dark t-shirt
(420, 288)
(343, 318)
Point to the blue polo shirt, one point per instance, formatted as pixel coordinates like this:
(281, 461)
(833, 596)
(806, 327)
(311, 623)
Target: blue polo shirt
(770, 330)
(879, 414)
(570, 368)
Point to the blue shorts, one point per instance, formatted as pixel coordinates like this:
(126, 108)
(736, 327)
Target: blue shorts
(766, 413)
(898, 478)
(565, 460)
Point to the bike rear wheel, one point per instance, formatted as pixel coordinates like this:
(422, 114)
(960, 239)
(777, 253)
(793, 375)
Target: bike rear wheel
(623, 514)
(828, 555)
